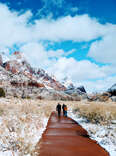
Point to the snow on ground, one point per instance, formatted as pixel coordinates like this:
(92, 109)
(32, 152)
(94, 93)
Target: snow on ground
(105, 135)
(22, 123)
(7, 153)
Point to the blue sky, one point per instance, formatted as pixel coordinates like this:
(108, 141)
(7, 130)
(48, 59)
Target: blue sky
(67, 38)
(104, 10)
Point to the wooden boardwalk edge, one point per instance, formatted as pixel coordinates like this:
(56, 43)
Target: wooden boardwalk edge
(65, 137)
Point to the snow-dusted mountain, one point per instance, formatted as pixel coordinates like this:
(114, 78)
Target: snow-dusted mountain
(112, 90)
(17, 64)
(71, 88)
(19, 78)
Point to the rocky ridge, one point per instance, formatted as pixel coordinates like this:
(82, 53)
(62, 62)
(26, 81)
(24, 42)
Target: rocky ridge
(109, 94)
(19, 79)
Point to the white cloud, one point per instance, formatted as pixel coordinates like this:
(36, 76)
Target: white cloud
(39, 57)
(77, 70)
(13, 26)
(35, 54)
(59, 53)
(98, 85)
(105, 49)
(16, 29)
(78, 28)
(55, 62)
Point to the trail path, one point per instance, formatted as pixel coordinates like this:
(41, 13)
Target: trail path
(65, 137)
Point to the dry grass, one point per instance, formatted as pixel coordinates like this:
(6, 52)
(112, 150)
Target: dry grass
(97, 112)
(21, 121)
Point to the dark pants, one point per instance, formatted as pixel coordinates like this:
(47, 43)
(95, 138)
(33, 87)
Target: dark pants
(59, 112)
(65, 113)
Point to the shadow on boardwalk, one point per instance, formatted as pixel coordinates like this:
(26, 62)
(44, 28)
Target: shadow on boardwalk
(65, 137)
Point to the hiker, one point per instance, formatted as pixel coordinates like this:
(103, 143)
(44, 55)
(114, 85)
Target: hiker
(64, 107)
(58, 109)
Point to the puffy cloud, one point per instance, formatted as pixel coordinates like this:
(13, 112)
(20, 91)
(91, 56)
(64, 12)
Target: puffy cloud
(105, 49)
(77, 70)
(98, 85)
(56, 63)
(13, 26)
(60, 53)
(37, 55)
(78, 28)
(16, 28)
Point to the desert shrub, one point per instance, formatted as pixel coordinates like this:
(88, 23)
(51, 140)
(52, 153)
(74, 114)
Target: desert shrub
(40, 98)
(63, 98)
(76, 110)
(15, 95)
(25, 97)
(97, 113)
(94, 117)
(2, 92)
(28, 97)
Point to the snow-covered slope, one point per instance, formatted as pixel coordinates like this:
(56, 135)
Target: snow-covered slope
(23, 80)
(112, 90)
(103, 134)
(71, 88)
(17, 63)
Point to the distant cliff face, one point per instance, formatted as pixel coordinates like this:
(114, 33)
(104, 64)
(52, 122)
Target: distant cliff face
(20, 79)
(72, 89)
(112, 90)
(1, 62)
(17, 64)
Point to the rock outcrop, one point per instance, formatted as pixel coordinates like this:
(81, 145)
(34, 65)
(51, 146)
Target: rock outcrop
(113, 98)
(1, 61)
(18, 64)
(81, 89)
(19, 79)
(103, 97)
(112, 90)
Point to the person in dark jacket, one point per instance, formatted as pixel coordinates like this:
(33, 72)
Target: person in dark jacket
(58, 109)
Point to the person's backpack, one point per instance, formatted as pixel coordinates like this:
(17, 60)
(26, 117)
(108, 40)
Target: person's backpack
(65, 108)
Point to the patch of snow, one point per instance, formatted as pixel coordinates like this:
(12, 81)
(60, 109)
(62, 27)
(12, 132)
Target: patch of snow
(67, 83)
(5, 56)
(18, 129)
(47, 87)
(8, 153)
(105, 135)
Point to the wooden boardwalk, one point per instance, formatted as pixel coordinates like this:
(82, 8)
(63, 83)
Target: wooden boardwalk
(64, 137)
